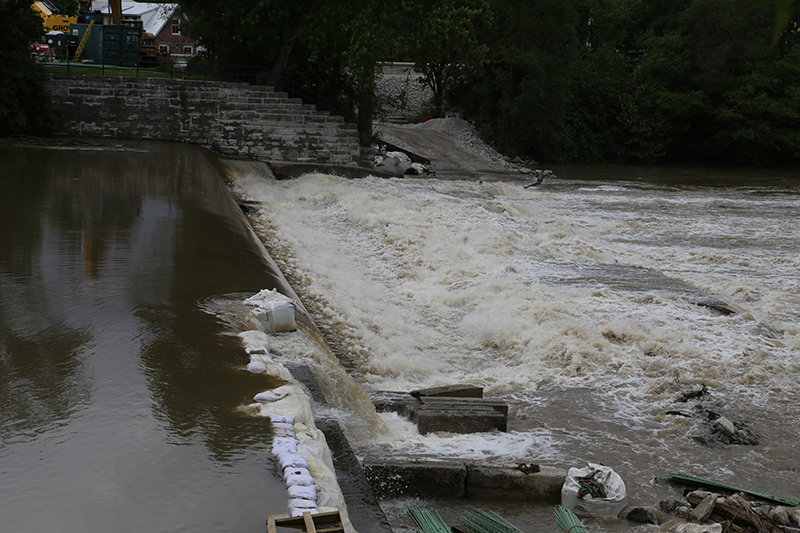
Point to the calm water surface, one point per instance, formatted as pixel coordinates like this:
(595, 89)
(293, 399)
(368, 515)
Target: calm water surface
(118, 394)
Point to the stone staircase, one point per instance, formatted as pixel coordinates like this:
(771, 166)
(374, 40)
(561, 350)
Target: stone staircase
(233, 119)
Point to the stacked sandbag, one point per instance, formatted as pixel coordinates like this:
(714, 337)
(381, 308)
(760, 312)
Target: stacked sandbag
(300, 448)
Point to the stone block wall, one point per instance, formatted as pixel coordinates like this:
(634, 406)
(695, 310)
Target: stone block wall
(230, 118)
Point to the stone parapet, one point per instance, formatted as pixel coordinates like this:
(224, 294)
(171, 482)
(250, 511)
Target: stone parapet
(234, 119)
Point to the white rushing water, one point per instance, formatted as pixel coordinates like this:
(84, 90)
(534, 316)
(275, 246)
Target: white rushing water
(575, 302)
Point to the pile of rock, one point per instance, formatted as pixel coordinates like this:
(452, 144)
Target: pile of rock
(709, 512)
(716, 428)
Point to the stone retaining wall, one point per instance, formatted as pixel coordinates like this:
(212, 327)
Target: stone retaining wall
(233, 119)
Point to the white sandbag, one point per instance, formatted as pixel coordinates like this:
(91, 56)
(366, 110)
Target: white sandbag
(269, 396)
(295, 405)
(274, 311)
(298, 476)
(584, 504)
(256, 367)
(277, 419)
(255, 341)
(274, 369)
(304, 492)
(283, 444)
(301, 503)
(291, 460)
(266, 295)
(294, 513)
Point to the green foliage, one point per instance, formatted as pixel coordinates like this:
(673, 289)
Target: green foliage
(439, 35)
(68, 8)
(25, 104)
(624, 80)
(559, 80)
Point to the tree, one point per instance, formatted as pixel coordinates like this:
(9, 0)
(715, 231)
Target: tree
(440, 35)
(25, 103)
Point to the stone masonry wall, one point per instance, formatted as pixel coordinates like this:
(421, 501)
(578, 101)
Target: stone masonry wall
(230, 118)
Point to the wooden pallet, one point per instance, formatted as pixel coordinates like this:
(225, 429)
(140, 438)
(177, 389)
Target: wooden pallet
(325, 522)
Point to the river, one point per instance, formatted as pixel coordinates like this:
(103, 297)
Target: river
(120, 396)
(589, 304)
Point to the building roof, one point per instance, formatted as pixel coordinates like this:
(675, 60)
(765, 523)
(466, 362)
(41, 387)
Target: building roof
(154, 16)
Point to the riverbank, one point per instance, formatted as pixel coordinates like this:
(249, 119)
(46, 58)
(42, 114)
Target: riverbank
(455, 150)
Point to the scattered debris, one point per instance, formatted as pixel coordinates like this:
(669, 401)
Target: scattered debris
(400, 163)
(721, 430)
(594, 490)
(710, 512)
(540, 176)
(701, 482)
(529, 468)
(642, 515)
(688, 395)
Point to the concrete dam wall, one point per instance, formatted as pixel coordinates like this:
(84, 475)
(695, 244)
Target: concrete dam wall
(232, 119)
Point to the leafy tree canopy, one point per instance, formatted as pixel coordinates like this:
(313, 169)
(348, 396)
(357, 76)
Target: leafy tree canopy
(25, 104)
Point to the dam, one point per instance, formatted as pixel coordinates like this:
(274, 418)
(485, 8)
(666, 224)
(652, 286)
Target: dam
(576, 303)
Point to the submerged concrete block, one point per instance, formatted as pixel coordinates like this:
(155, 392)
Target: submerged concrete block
(450, 391)
(509, 482)
(458, 418)
(465, 403)
(395, 478)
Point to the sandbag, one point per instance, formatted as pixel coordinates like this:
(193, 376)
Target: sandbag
(577, 500)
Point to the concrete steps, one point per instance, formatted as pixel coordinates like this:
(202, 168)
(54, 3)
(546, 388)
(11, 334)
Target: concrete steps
(230, 118)
(452, 409)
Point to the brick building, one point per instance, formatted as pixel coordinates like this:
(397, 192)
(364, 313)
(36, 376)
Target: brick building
(164, 21)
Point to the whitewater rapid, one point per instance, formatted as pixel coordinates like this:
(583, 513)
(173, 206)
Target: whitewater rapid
(576, 302)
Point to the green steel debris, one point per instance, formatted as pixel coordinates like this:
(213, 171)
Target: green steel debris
(427, 522)
(590, 485)
(694, 480)
(486, 522)
(567, 521)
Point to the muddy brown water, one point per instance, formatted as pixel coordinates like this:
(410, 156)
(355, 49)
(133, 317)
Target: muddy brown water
(119, 395)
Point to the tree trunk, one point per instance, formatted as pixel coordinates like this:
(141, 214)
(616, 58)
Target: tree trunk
(275, 78)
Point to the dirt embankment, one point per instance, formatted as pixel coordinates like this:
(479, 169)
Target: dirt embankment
(452, 146)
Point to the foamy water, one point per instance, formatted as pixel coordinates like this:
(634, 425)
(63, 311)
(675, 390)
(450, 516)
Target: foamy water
(572, 301)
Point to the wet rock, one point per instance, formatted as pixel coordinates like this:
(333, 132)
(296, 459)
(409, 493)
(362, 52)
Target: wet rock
(779, 515)
(643, 515)
(722, 429)
(794, 515)
(698, 528)
(734, 433)
(529, 468)
(679, 413)
(670, 506)
(726, 426)
(693, 394)
(703, 511)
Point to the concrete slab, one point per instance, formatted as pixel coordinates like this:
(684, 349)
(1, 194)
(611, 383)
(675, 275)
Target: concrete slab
(438, 479)
(389, 478)
(450, 391)
(511, 483)
(458, 418)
